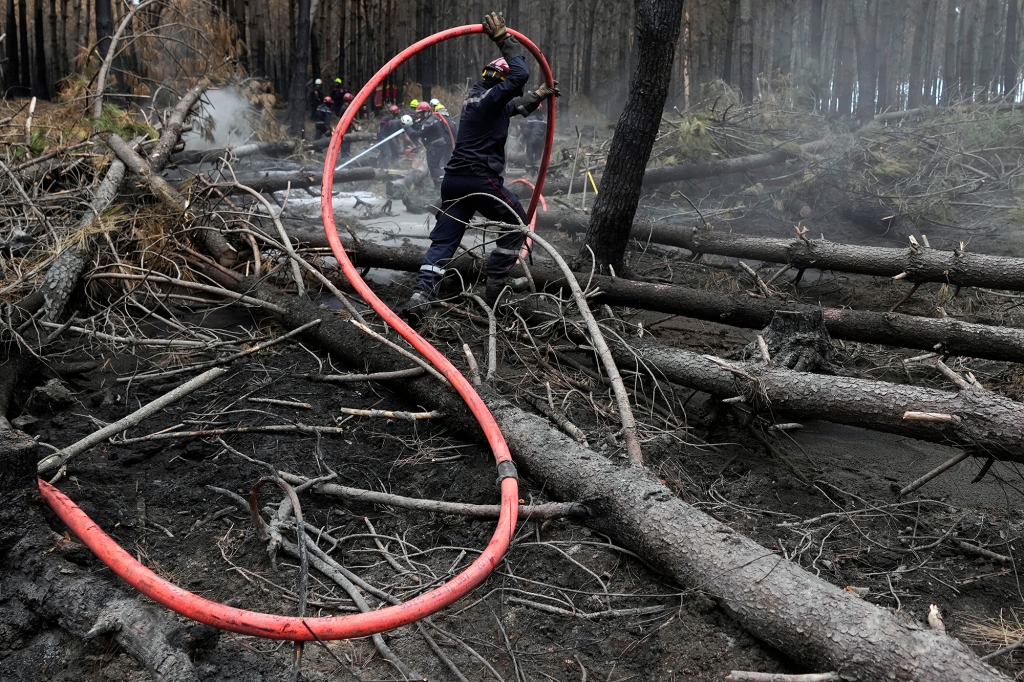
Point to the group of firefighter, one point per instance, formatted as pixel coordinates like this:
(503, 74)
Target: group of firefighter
(427, 122)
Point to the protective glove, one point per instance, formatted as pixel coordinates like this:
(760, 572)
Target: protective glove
(545, 91)
(494, 26)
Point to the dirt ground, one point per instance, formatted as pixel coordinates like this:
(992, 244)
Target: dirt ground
(826, 498)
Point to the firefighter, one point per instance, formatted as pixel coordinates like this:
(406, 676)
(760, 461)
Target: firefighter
(323, 117)
(535, 131)
(338, 92)
(435, 134)
(389, 124)
(475, 170)
(346, 144)
(440, 109)
(316, 97)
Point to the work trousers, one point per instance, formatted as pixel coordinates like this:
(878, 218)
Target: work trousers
(457, 209)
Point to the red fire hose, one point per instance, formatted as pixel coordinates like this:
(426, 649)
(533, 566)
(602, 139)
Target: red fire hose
(363, 624)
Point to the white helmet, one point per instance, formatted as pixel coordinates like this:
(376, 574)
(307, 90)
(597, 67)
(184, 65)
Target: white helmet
(318, 82)
(434, 102)
(407, 120)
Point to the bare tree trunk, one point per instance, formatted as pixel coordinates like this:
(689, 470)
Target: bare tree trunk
(745, 29)
(297, 106)
(950, 87)
(1011, 59)
(12, 69)
(40, 88)
(782, 60)
(918, 10)
(104, 26)
(588, 48)
(987, 57)
(658, 24)
(845, 64)
(730, 40)
(424, 61)
(865, 21)
(968, 23)
(883, 32)
(23, 49)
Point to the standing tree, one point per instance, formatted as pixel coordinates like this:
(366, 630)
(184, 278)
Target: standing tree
(296, 113)
(104, 26)
(865, 28)
(949, 78)
(1010, 59)
(658, 23)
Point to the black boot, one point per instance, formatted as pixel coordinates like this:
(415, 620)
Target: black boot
(413, 310)
(495, 285)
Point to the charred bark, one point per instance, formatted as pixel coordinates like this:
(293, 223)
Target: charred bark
(892, 329)
(264, 149)
(982, 423)
(297, 106)
(914, 264)
(265, 182)
(820, 625)
(657, 32)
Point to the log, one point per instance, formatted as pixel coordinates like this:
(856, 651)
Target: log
(278, 182)
(982, 423)
(818, 624)
(324, 142)
(920, 264)
(892, 329)
(265, 149)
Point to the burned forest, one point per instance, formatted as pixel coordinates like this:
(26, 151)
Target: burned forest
(659, 340)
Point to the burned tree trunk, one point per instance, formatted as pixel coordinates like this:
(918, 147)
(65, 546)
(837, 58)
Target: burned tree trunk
(658, 29)
(944, 335)
(818, 624)
(914, 264)
(983, 423)
(296, 114)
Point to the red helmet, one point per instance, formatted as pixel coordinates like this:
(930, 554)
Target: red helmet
(347, 97)
(394, 109)
(499, 66)
(423, 106)
(328, 100)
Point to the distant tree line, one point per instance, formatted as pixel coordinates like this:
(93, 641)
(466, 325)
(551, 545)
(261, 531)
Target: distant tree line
(844, 57)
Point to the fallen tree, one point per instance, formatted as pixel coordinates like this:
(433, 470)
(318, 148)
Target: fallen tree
(944, 335)
(979, 421)
(279, 182)
(264, 149)
(818, 624)
(914, 264)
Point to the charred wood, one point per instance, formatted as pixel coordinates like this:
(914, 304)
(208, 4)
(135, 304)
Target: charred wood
(945, 335)
(920, 264)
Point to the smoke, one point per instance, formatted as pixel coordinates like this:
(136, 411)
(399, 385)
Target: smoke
(224, 121)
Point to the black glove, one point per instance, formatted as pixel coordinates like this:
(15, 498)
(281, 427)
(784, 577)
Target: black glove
(494, 26)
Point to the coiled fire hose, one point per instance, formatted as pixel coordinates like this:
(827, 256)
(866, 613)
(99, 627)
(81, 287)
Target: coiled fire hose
(357, 625)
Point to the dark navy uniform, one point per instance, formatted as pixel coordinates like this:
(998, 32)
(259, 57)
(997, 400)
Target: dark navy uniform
(475, 168)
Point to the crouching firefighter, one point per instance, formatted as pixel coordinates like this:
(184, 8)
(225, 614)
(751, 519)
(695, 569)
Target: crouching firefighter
(473, 177)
